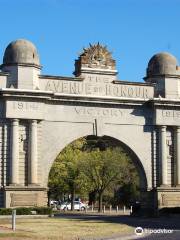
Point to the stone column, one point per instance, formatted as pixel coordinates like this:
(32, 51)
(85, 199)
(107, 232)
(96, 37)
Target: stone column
(33, 153)
(163, 154)
(14, 152)
(178, 156)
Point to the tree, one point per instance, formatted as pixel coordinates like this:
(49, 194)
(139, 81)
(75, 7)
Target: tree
(91, 165)
(65, 173)
(57, 180)
(126, 194)
(103, 168)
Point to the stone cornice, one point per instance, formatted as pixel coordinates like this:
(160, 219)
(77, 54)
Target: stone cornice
(134, 83)
(26, 94)
(98, 71)
(4, 74)
(61, 78)
(164, 102)
(21, 65)
(168, 189)
(162, 75)
(51, 96)
(99, 99)
(24, 188)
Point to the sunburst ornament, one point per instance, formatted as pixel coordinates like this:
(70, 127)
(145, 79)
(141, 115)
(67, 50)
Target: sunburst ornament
(95, 56)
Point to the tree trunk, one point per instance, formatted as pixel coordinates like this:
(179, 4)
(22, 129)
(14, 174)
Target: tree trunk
(48, 194)
(72, 199)
(92, 197)
(100, 201)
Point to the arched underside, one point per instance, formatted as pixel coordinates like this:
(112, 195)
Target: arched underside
(136, 161)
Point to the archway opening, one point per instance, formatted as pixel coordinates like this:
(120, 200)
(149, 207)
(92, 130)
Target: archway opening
(97, 171)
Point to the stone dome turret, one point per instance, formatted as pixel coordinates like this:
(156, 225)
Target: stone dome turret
(21, 52)
(162, 63)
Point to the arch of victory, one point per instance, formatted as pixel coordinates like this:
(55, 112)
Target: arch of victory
(41, 114)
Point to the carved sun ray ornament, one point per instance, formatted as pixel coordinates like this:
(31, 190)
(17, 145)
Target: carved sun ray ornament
(95, 56)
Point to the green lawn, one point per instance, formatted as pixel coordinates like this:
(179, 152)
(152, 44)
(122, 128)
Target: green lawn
(61, 228)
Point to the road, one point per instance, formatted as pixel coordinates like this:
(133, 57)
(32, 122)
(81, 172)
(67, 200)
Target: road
(173, 236)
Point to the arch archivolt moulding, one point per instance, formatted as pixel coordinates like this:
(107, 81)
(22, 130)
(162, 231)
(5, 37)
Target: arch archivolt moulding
(76, 130)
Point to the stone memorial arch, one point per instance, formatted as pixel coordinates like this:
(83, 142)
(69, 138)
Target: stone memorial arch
(41, 114)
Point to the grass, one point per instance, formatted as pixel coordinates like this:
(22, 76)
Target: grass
(61, 229)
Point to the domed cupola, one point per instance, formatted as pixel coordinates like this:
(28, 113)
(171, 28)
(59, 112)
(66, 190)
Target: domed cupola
(162, 64)
(164, 73)
(21, 52)
(21, 62)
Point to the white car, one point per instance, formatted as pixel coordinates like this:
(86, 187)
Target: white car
(53, 202)
(77, 206)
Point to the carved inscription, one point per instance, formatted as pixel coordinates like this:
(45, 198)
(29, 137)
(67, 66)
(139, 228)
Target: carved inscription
(100, 89)
(171, 114)
(23, 199)
(26, 105)
(91, 111)
(25, 109)
(171, 200)
(98, 79)
(168, 117)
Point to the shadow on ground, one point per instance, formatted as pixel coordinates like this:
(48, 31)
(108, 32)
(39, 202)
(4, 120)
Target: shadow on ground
(152, 223)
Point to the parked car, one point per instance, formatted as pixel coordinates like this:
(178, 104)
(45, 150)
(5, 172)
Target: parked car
(78, 205)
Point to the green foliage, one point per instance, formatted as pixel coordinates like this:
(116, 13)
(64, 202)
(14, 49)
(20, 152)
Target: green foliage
(5, 211)
(23, 211)
(102, 168)
(26, 211)
(167, 211)
(106, 169)
(43, 210)
(96, 165)
(126, 193)
(65, 175)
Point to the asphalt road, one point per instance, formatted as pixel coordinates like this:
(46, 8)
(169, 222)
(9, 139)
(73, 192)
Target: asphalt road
(156, 224)
(173, 236)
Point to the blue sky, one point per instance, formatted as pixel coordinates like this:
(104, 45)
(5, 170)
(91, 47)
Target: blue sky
(134, 30)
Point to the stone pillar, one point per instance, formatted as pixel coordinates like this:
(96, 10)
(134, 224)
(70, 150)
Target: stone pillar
(33, 153)
(163, 154)
(178, 156)
(14, 152)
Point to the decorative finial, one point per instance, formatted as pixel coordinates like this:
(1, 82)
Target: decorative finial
(96, 56)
